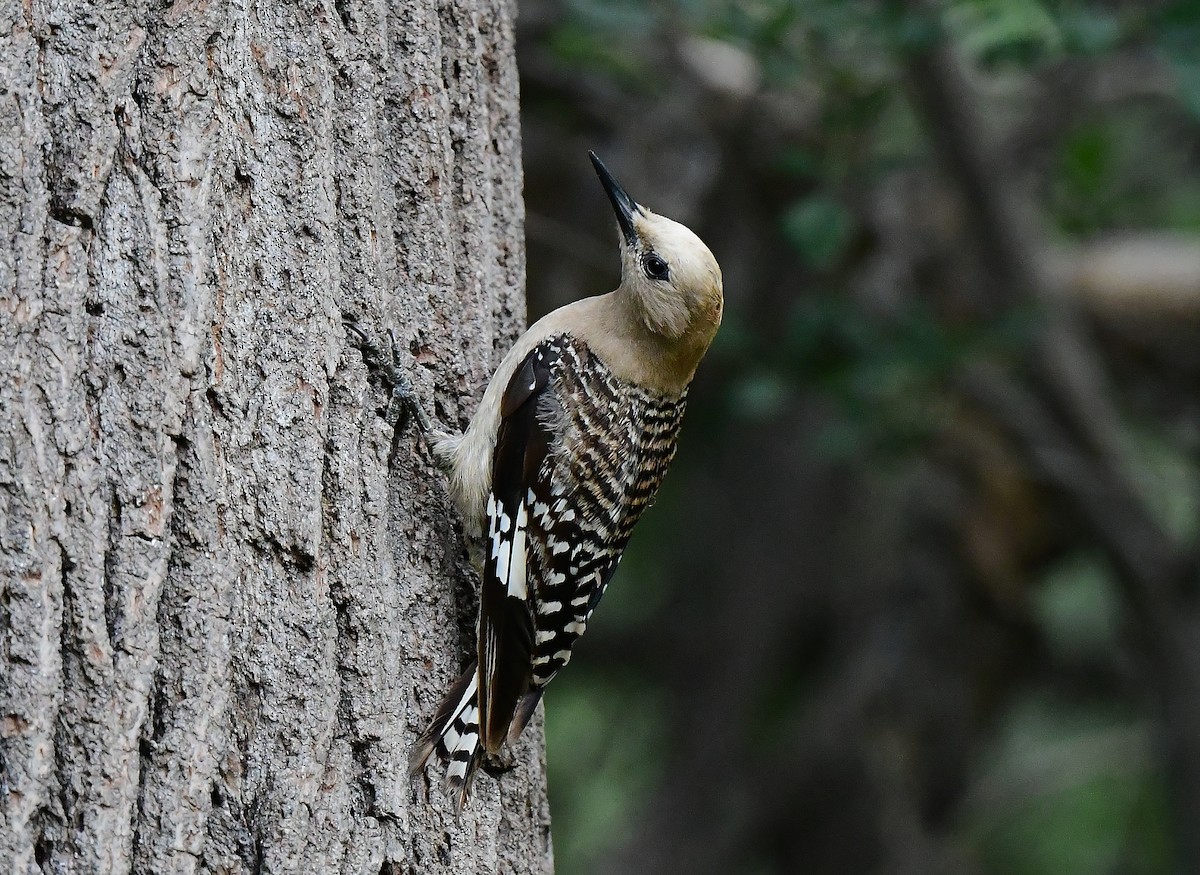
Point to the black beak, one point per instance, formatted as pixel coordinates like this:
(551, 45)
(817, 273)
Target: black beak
(623, 205)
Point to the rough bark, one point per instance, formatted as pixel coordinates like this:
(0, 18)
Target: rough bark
(226, 608)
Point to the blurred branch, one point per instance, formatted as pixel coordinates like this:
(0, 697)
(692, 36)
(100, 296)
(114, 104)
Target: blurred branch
(1149, 564)
(1147, 276)
(1005, 229)
(1069, 427)
(880, 660)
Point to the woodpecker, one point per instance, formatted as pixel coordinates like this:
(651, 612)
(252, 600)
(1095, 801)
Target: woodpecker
(567, 448)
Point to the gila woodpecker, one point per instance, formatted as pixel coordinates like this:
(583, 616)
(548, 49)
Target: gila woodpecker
(568, 447)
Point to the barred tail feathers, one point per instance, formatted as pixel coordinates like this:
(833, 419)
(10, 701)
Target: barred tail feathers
(454, 734)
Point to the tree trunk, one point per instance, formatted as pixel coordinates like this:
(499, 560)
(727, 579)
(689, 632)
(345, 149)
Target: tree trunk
(226, 607)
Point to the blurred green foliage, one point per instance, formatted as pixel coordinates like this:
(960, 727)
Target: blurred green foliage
(1071, 791)
(819, 227)
(606, 734)
(609, 730)
(882, 377)
(1070, 783)
(1078, 607)
(1104, 182)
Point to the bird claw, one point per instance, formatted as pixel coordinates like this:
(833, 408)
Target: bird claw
(403, 403)
(497, 764)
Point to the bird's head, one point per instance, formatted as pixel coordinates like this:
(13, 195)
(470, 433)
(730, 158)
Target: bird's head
(667, 272)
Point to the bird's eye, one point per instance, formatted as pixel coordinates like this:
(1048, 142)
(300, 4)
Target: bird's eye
(655, 267)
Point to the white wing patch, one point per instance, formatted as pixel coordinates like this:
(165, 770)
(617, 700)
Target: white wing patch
(517, 582)
(508, 539)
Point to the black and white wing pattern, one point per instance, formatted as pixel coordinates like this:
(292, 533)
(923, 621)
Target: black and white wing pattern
(506, 627)
(615, 442)
(579, 457)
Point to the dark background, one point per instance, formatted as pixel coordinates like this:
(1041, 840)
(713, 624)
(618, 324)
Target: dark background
(920, 593)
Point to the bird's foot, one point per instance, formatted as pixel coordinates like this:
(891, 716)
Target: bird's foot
(497, 764)
(403, 404)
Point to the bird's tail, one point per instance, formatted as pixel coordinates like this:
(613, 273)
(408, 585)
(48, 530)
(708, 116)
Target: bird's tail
(454, 734)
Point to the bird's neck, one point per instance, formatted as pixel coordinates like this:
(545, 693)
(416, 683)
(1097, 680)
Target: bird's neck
(638, 354)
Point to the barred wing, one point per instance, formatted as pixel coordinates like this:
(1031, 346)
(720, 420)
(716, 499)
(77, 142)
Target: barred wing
(506, 616)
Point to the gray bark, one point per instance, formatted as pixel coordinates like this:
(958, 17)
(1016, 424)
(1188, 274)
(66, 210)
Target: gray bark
(224, 612)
